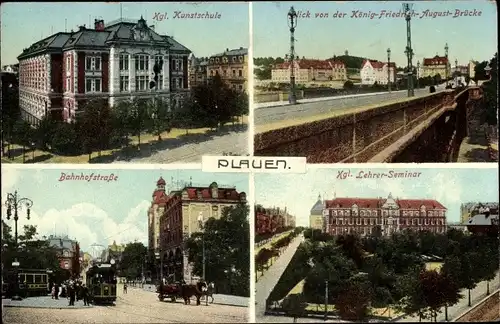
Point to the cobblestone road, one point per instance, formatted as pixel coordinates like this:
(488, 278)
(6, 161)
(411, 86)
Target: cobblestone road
(191, 152)
(138, 306)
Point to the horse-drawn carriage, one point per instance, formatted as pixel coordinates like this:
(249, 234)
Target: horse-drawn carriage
(185, 291)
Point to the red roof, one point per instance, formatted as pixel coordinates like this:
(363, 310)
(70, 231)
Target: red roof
(159, 197)
(311, 64)
(161, 182)
(436, 60)
(223, 193)
(377, 64)
(377, 202)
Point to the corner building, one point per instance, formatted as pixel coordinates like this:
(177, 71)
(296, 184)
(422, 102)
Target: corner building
(113, 61)
(363, 215)
(173, 217)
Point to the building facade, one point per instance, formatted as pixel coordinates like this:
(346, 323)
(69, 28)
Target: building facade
(271, 220)
(472, 69)
(198, 72)
(375, 71)
(436, 65)
(316, 219)
(113, 61)
(68, 253)
(180, 218)
(363, 216)
(231, 66)
(309, 71)
(155, 211)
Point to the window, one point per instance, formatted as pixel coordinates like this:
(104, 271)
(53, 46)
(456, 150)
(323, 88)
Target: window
(124, 62)
(234, 73)
(240, 73)
(240, 58)
(68, 63)
(141, 82)
(92, 63)
(93, 85)
(68, 84)
(234, 59)
(179, 83)
(124, 83)
(142, 62)
(177, 65)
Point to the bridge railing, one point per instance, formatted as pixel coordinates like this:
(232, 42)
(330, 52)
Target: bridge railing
(358, 136)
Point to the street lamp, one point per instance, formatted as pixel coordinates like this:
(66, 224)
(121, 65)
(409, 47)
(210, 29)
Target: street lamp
(292, 24)
(14, 203)
(407, 8)
(33, 151)
(487, 70)
(418, 74)
(389, 69)
(326, 300)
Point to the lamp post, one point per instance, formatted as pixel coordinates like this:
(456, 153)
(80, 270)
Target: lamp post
(487, 70)
(418, 74)
(14, 203)
(446, 62)
(201, 222)
(326, 300)
(292, 24)
(389, 69)
(33, 146)
(407, 7)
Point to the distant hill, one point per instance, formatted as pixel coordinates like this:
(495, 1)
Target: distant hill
(351, 62)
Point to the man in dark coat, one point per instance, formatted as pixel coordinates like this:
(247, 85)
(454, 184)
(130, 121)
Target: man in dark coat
(72, 293)
(85, 295)
(56, 291)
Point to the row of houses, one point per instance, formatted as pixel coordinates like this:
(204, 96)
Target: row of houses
(272, 220)
(371, 71)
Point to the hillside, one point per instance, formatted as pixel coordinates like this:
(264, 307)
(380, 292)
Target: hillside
(351, 62)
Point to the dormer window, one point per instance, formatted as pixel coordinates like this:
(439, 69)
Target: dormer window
(234, 59)
(224, 59)
(198, 194)
(240, 58)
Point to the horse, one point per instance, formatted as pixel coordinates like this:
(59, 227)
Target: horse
(188, 291)
(209, 291)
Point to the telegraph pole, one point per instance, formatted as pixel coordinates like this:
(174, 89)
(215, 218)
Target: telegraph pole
(446, 66)
(292, 24)
(407, 7)
(389, 69)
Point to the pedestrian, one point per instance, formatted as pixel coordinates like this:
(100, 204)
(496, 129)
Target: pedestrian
(85, 295)
(53, 291)
(125, 288)
(71, 291)
(56, 291)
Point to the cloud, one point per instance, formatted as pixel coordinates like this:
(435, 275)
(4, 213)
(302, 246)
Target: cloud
(90, 225)
(10, 177)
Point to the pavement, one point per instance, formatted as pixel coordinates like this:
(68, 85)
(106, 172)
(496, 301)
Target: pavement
(459, 309)
(281, 111)
(266, 283)
(219, 299)
(137, 306)
(191, 151)
(43, 302)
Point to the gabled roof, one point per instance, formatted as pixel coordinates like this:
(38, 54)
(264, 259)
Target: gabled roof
(483, 220)
(311, 64)
(436, 60)
(377, 64)
(417, 203)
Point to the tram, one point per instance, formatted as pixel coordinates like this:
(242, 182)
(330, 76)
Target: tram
(101, 282)
(32, 282)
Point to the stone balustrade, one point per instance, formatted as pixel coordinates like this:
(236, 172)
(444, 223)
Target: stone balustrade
(377, 134)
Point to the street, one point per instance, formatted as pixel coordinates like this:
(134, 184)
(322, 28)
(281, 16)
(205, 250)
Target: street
(138, 306)
(235, 143)
(266, 283)
(269, 115)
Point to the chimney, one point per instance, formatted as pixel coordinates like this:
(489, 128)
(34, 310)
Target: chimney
(227, 49)
(99, 24)
(80, 28)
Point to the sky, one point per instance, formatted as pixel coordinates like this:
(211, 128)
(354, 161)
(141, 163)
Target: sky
(467, 37)
(26, 23)
(449, 186)
(97, 212)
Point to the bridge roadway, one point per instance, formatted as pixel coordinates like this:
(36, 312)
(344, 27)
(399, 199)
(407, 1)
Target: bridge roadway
(281, 112)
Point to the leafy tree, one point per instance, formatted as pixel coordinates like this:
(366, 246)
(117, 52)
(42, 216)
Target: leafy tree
(188, 115)
(490, 94)
(414, 299)
(133, 258)
(65, 139)
(24, 135)
(44, 132)
(139, 117)
(94, 126)
(227, 250)
(121, 121)
(354, 299)
(438, 290)
(352, 248)
(161, 118)
(295, 306)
